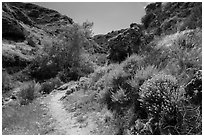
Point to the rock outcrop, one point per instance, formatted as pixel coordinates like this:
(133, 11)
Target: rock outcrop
(124, 44)
(102, 40)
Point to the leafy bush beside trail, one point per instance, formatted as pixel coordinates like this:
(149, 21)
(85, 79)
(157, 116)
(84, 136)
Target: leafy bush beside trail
(64, 57)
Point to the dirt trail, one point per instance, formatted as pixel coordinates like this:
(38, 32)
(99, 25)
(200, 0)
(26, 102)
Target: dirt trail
(66, 122)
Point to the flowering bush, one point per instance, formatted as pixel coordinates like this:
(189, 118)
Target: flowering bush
(159, 94)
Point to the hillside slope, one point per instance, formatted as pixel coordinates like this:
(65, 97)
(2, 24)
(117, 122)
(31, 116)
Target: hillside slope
(25, 28)
(28, 28)
(160, 19)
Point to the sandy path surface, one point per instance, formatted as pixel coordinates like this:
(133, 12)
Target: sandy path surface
(66, 123)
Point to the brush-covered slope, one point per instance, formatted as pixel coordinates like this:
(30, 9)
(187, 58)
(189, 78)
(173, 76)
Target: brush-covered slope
(28, 28)
(25, 27)
(160, 19)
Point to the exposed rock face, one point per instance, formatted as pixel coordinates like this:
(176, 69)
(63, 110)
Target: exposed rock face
(102, 40)
(124, 44)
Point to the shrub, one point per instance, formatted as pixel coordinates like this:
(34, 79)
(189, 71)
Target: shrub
(117, 96)
(181, 52)
(149, 90)
(191, 120)
(50, 85)
(100, 75)
(161, 97)
(86, 65)
(159, 93)
(64, 56)
(132, 63)
(37, 89)
(41, 68)
(120, 89)
(114, 81)
(141, 127)
(177, 52)
(28, 92)
(100, 84)
(47, 87)
(68, 75)
(6, 82)
(84, 83)
(141, 75)
(194, 89)
(178, 56)
(87, 26)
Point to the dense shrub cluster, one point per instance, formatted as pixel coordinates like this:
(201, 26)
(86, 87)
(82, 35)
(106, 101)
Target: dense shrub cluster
(160, 97)
(28, 92)
(63, 56)
(49, 85)
(159, 93)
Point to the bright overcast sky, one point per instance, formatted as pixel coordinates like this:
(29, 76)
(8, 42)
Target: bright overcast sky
(107, 16)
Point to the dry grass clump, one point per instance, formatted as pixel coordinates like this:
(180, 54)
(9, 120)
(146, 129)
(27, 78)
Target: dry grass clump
(28, 92)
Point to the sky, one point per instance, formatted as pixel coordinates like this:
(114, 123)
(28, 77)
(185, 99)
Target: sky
(106, 16)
